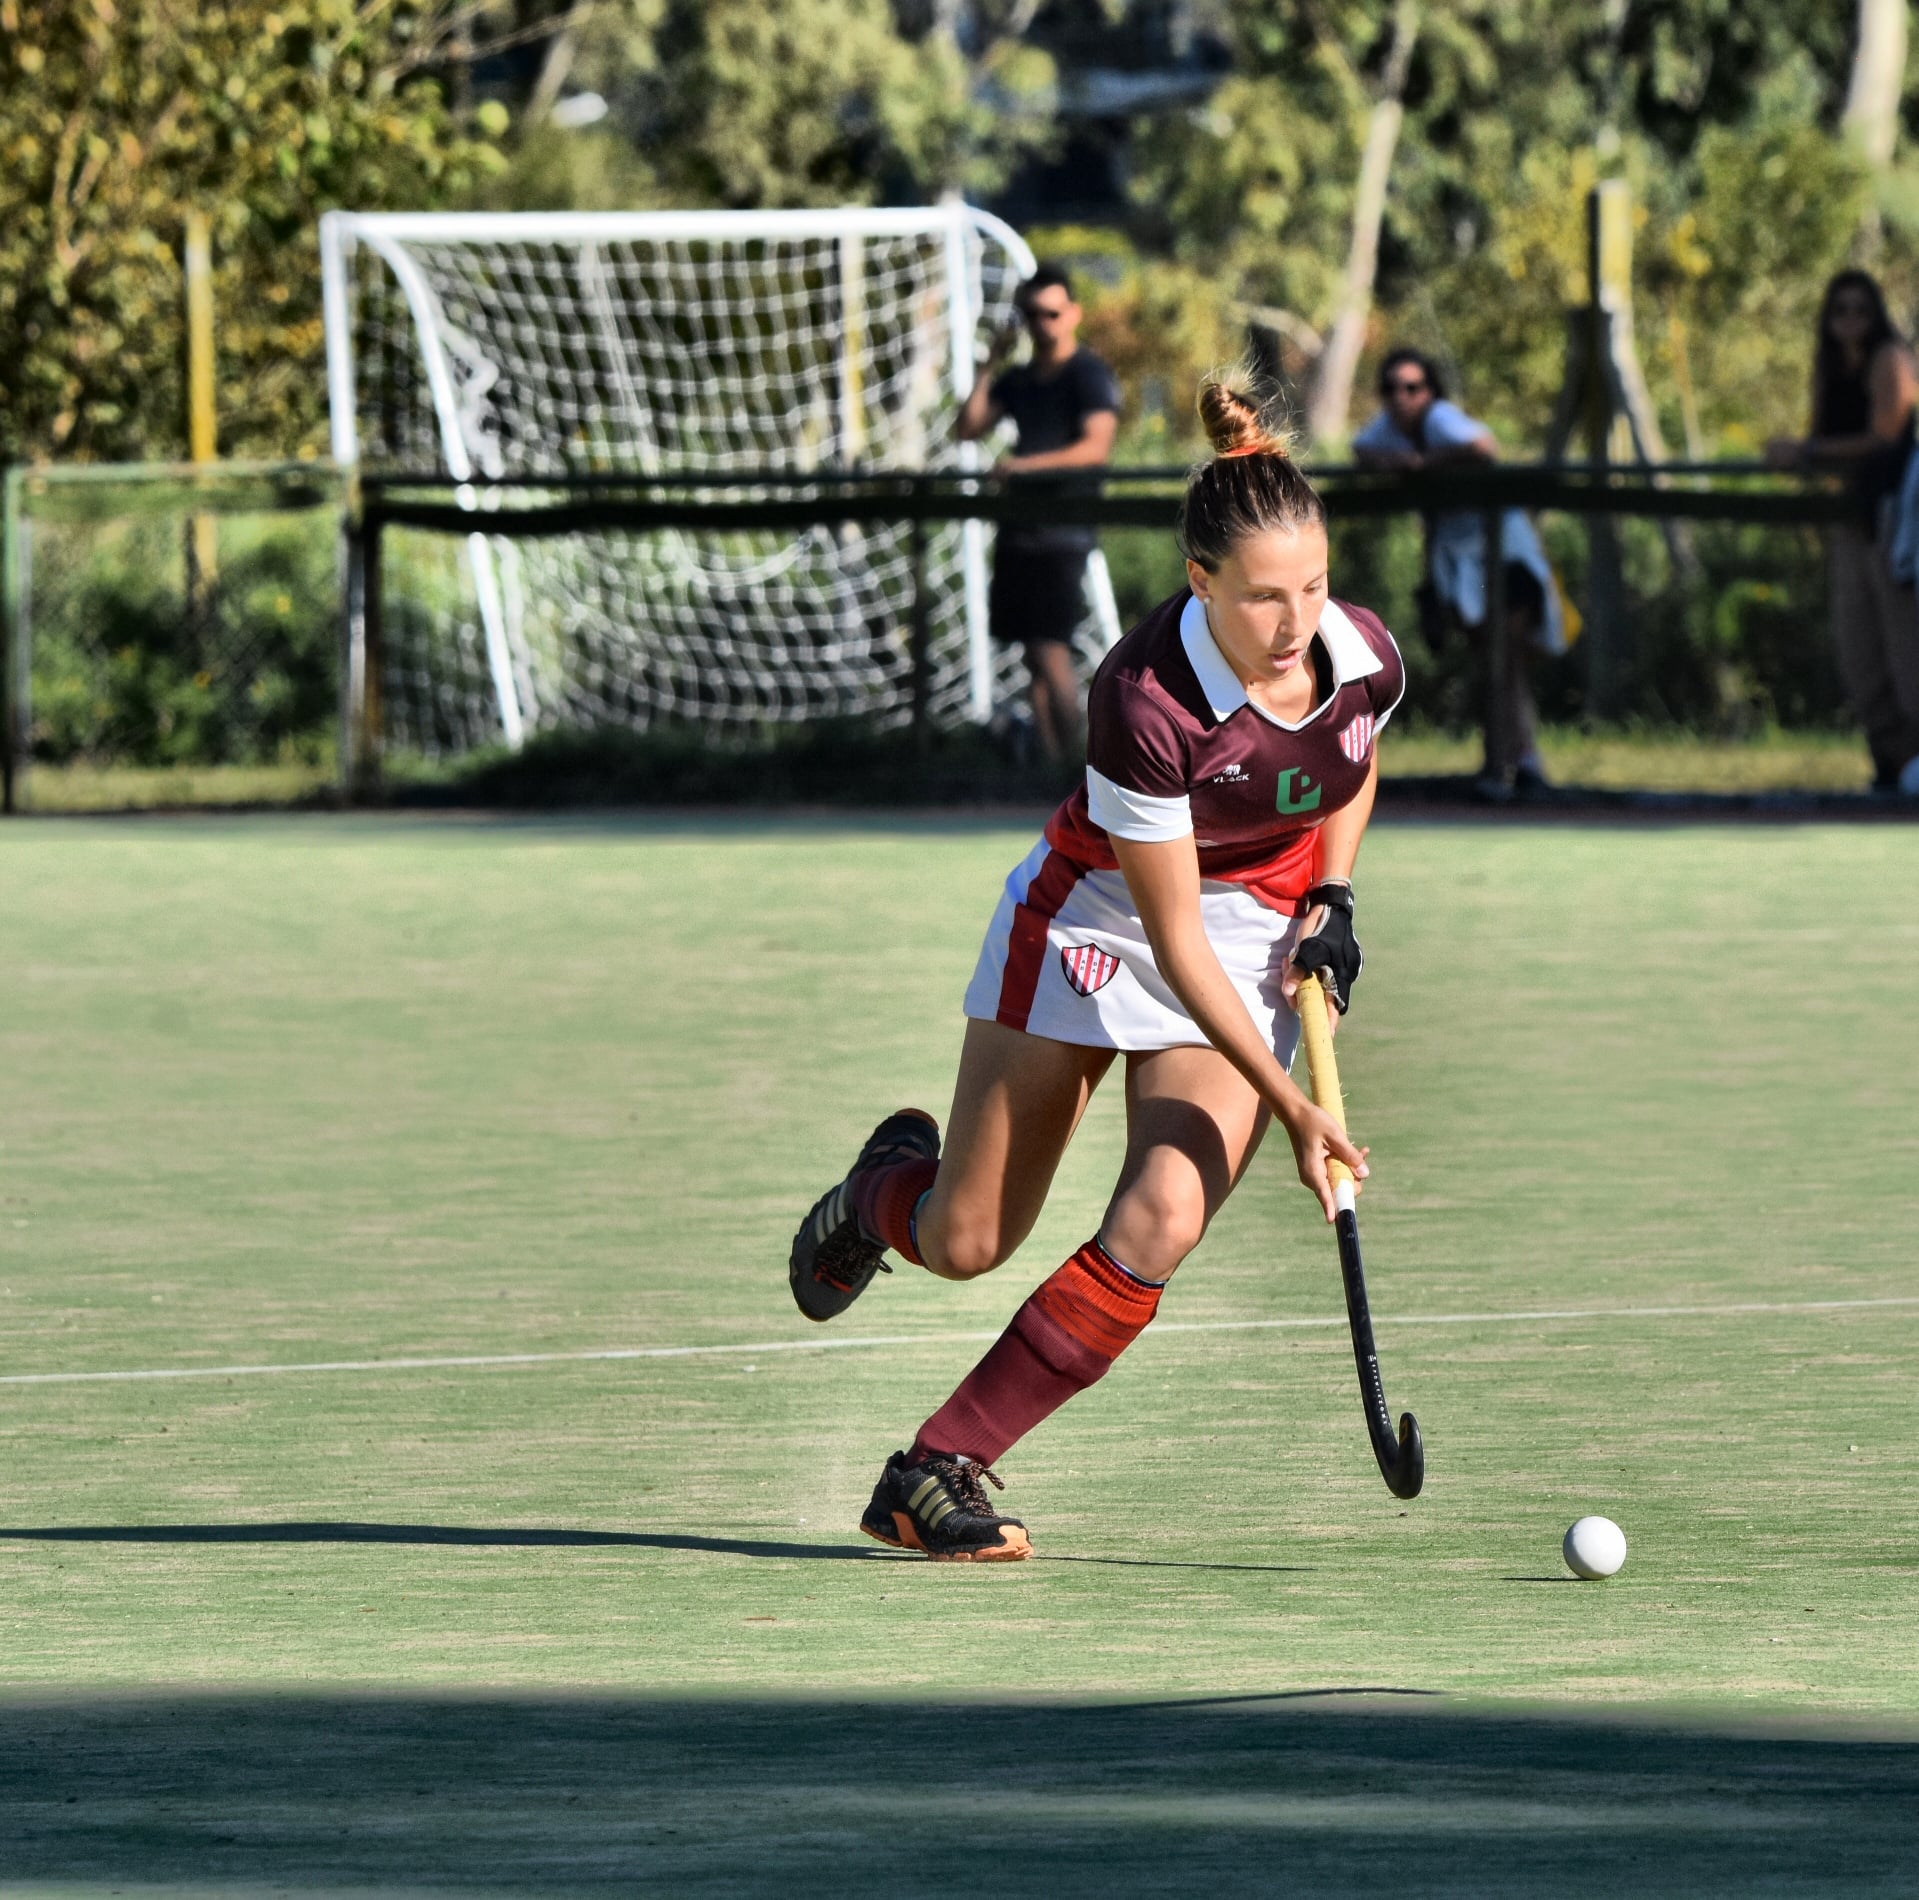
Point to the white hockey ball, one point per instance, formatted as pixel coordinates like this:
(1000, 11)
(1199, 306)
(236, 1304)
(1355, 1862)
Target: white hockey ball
(1595, 1547)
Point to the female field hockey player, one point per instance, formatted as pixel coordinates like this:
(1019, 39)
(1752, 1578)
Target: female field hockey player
(1167, 914)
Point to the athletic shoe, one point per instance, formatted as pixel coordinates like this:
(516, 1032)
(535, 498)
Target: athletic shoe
(940, 1507)
(833, 1257)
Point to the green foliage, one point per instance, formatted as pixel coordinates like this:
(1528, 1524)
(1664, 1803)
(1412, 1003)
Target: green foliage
(1158, 321)
(1732, 252)
(119, 116)
(1723, 118)
(748, 103)
(132, 666)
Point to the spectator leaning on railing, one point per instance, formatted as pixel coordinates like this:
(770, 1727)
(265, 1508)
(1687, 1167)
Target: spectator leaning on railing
(1863, 388)
(1065, 406)
(1418, 428)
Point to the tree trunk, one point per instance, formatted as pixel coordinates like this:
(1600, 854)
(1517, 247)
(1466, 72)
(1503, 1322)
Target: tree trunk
(1339, 361)
(1878, 77)
(560, 50)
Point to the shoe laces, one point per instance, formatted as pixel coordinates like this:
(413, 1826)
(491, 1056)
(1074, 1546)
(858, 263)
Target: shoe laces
(964, 1475)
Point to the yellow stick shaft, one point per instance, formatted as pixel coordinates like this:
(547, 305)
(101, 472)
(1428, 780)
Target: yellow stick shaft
(1316, 1031)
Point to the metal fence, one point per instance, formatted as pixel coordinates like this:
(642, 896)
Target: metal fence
(229, 614)
(1136, 500)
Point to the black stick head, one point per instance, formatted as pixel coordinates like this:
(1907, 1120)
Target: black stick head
(1406, 1472)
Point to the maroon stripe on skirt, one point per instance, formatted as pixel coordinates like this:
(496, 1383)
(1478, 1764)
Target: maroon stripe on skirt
(1026, 941)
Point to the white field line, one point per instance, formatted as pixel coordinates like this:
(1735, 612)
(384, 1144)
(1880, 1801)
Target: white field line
(868, 1342)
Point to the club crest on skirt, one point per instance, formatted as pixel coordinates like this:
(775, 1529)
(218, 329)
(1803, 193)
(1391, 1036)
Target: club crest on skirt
(1087, 966)
(1357, 740)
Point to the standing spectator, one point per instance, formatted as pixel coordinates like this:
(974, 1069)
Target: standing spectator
(1064, 403)
(1418, 428)
(1863, 387)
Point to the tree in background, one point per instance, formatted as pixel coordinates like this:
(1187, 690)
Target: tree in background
(1379, 168)
(750, 103)
(119, 116)
(1368, 169)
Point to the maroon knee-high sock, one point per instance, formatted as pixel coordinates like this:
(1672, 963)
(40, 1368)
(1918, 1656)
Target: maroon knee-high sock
(884, 1200)
(1064, 1338)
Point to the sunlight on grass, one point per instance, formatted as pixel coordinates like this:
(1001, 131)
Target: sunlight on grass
(1656, 761)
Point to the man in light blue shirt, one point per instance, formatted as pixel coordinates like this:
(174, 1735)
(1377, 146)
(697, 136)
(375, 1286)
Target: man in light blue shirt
(1419, 428)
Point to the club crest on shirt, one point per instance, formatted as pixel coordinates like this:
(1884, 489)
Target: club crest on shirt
(1357, 740)
(1087, 966)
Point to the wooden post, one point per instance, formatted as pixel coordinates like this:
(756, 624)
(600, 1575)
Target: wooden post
(852, 432)
(921, 634)
(1499, 737)
(372, 710)
(1609, 279)
(13, 582)
(361, 647)
(203, 545)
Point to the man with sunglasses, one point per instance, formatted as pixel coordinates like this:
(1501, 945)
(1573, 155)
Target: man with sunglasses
(1064, 403)
(1419, 428)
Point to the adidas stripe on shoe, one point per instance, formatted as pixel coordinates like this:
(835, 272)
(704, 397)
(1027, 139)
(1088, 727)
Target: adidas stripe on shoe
(833, 1257)
(940, 1507)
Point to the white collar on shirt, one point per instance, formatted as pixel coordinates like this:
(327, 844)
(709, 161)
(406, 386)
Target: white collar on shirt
(1352, 660)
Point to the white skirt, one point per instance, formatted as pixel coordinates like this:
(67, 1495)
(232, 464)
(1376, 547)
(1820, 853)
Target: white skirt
(1066, 957)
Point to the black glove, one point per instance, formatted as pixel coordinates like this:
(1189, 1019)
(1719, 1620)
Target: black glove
(1332, 952)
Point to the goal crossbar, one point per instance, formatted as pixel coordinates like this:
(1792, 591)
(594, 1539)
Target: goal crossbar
(495, 346)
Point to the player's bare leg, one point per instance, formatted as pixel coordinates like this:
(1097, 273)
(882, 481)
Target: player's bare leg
(1015, 1106)
(1193, 1125)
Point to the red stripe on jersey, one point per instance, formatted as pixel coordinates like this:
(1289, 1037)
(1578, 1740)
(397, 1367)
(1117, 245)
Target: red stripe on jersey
(1278, 874)
(1026, 941)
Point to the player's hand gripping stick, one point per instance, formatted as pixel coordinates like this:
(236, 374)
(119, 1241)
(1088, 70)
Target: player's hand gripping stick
(1402, 1460)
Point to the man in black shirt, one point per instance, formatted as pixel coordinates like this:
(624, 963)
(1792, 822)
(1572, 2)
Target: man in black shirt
(1064, 403)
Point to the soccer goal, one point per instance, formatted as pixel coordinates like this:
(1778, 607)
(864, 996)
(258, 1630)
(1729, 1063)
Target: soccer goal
(493, 350)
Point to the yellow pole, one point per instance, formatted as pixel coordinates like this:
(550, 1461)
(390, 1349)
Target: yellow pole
(203, 554)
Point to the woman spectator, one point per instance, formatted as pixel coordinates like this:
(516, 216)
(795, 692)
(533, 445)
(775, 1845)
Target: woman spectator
(1863, 388)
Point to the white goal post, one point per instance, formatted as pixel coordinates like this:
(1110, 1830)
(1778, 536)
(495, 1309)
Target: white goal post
(482, 347)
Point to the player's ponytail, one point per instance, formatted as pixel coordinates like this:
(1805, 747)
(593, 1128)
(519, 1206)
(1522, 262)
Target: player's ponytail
(1252, 485)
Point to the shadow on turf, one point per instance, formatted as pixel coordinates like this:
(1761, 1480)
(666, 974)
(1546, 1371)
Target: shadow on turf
(507, 1537)
(494, 1795)
(482, 1536)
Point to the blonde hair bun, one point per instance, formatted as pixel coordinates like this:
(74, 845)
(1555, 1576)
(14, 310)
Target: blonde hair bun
(1236, 419)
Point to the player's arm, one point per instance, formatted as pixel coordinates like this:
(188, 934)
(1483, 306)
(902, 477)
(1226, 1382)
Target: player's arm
(1093, 449)
(1163, 877)
(1326, 940)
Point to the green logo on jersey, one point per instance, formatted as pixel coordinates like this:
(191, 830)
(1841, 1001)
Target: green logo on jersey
(1291, 803)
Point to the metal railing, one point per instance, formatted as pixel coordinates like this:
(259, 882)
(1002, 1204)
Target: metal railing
(1117, 497)
(560, 503)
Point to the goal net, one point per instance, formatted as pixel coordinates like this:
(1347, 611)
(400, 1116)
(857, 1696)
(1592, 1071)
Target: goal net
(484, 348)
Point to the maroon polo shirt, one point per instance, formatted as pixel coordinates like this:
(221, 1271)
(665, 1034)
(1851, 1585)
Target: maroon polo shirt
(1174, 746)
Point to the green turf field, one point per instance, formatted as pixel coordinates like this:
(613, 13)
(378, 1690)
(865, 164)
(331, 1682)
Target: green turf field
(322, 1093)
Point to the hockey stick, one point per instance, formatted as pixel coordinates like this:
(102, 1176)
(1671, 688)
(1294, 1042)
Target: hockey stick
(1402, 1460)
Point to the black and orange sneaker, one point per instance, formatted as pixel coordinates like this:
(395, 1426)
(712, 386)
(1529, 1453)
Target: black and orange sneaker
(834, 1257)
(940, 1507)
